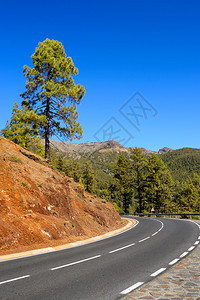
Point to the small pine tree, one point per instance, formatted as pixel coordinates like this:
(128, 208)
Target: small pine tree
(24, 127)
(88, 178)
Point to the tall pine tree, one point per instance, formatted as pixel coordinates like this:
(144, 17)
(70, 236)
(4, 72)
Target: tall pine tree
(51, 91)
(123, 182)
(159, 185)
(139, 165)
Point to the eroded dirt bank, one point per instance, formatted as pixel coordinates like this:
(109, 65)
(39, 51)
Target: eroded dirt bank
(39, 207)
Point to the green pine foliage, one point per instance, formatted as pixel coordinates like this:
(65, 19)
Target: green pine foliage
(24, 127)
(123, 185)
(159, 186)
(182, 163)
(188, 197)
(88, 178)
(51, 91)
(139, 167)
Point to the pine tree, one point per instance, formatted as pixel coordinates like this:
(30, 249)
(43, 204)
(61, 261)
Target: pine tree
(49, 87)
(139, 169)
(60, 164)
(123, 182)
(188, 199)
(24, 127)
(159, 185)
(88, 178)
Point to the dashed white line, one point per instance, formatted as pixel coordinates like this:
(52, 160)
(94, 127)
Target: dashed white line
(199, 238)
(196, 243)
(131, 288)
(14, 279)
(174, 261)
(76, 262)
(158, 272)
(130, 245)
(183, 254)
(144, 239)
(191, 248)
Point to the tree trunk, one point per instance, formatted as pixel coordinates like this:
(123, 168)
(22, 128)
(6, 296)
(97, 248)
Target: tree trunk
(47, 148)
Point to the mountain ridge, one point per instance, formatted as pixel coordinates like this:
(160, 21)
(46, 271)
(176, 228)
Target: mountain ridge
(74, 149)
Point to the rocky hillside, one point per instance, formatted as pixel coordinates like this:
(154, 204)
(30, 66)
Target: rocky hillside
(77, 149)
(40, 207)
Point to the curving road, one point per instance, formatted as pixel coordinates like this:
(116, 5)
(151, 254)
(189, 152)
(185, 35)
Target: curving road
(106, 269)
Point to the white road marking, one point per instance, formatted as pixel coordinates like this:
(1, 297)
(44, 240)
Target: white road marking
(191, 248)
(158, 272)
(196, 243)
(76, 262)
(183, 254)
(174, 261)
(199, 238)
(144, 239)
(122, 248)
(154, 233)
(14, 279)
(131, 288)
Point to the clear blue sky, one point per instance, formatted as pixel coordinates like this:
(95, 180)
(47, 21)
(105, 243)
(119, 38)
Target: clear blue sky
(120, 48)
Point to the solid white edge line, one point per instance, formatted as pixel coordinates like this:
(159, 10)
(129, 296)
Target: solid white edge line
(121, 248)
(183, 254)
(158, 272)
(131, 288)
(76, 262)
(174, 261)
(14, 279)
(154, 233)
(196, 243)
(144, 239)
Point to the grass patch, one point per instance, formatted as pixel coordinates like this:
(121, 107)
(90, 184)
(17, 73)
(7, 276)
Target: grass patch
(15, 159)
(73, 225)
(24, 183)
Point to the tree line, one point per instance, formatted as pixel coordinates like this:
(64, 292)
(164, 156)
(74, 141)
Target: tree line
(137, 183)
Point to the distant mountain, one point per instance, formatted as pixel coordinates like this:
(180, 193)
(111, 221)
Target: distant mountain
(77, 149)
(104, 155)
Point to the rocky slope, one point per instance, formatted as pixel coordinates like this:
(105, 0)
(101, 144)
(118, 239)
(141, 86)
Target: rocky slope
(40, 207)
(75, 149)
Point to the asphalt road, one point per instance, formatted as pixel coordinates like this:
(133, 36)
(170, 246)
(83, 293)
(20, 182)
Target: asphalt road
(107, 269)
